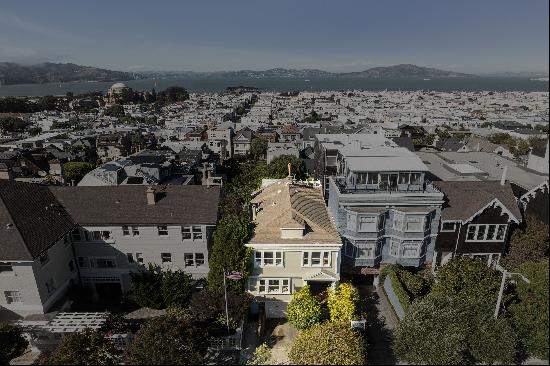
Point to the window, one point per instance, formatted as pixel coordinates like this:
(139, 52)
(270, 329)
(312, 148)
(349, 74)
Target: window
(403, 178)
(489, 232)
(367, 223)
(448, 226)
(274, 286)
(6, 267)
(76, 235)
(50, 286)
(411, 250)
(139, 258)
(103, 263)
(414, 223)
(415, 178)
(398, 220)
(44, 258)
(162, 230)
(268, 258)
(83, 262)
(193, 259)
(394, 248)
(316, 259)
(130, 257)
(349, 249)
(100, 235)
(366, 252)
(13, 296)
(191, 232)
(166, 257)
(125, 231)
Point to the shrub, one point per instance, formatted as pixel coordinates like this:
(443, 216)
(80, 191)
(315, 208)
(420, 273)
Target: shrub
(85, 348)
(390, 271)
(468, 279)
(304, 310)
(529, 245)
(342, 303)
(439, 329)
(328, 344)
(167, 341)
(12, 342)
(261, 356)
(76, 170)
(530, 311)
(145, 287)
(414, 284)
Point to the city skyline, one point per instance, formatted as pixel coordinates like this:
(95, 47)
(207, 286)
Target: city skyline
(489, 37)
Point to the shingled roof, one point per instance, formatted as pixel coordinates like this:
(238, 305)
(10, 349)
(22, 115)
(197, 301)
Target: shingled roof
(110, 205)
(466, 198)
(284, 204)
(31, 220)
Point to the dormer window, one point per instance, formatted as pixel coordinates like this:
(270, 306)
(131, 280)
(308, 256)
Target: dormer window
(292, 233)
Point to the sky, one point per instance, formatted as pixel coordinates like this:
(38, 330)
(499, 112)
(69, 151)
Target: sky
(472, 36)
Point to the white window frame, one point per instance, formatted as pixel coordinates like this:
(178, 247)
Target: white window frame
(411, 246)
(191, 232)
(94, 261)
(194, 260)
(416, 219)
(395, 249)
(370, 220)
(486, 228)
(307, 258)
(166, 258)
(13, 297)
(139, 258)
(369, 247)
(125, 230)
(260, 260)
(265, 284)
(398, 221)
(162, 229)
(455, 223)
(135, 230)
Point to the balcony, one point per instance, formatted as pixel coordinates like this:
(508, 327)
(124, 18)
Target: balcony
(345, 188)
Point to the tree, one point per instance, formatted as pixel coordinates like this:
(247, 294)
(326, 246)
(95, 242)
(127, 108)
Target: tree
(115, 110)
(145, 287)
(467, 279)
(176, 288)
(527, 245)
(261, 356)
(258, 148)
(172, 94)
(85, 348)
(342, 303)
(441, 330)
(167, 341)
(76, 170)
(229, 252)
(530, 310)
(278, 167)
(328, 344)
(207, 305)
(304, 310)
(12, 342)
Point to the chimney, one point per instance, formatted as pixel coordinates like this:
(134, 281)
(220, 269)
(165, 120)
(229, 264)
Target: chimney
(151, 197)
(503, 178)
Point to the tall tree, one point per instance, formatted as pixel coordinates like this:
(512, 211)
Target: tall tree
(278, 167)
(527, 245)
(75, 171)
(85, 348)
(258, 148)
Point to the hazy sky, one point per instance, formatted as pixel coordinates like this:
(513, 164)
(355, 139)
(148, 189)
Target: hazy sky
(468, 36)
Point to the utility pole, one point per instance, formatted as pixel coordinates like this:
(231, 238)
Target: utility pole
(505, 274)
(226, 311)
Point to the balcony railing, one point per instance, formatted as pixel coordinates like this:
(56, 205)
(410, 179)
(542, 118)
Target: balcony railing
(344, 187)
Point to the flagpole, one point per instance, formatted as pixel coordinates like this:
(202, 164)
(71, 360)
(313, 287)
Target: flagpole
(226, 312)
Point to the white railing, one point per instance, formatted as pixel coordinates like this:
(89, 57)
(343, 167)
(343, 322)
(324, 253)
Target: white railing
(231, 342)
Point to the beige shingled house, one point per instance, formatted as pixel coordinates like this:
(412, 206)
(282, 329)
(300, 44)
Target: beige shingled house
(295, 243)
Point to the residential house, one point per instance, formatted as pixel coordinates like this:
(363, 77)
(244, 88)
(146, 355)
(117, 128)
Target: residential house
(295, 243)
(476, 221)
(242, 141)
(535, 203)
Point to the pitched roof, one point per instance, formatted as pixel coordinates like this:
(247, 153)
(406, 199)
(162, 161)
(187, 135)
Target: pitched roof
(286, 205)
(31, 220)
(186, 204)
(466, 198)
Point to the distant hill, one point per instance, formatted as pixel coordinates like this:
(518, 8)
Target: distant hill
(12, 73)
(389, 72)
(405, 71)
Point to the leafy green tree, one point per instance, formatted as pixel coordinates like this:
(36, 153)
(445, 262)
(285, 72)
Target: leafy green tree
(328, 344)
(12, 342)
(529, 244)
(116, 110)
(530, 310)
(145, 287)
(167, 341)
(342, 303)
(467, 279)
(176, 288)
(441, 330)
(13, 124)
(229, 252)
(173, 94)
(258, 148)
(76, 170)
(416, 285)
(304, 310)
(85, 348)
(278, 167)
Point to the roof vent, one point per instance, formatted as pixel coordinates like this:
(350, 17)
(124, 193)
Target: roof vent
(9, 225)
(151, 196)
